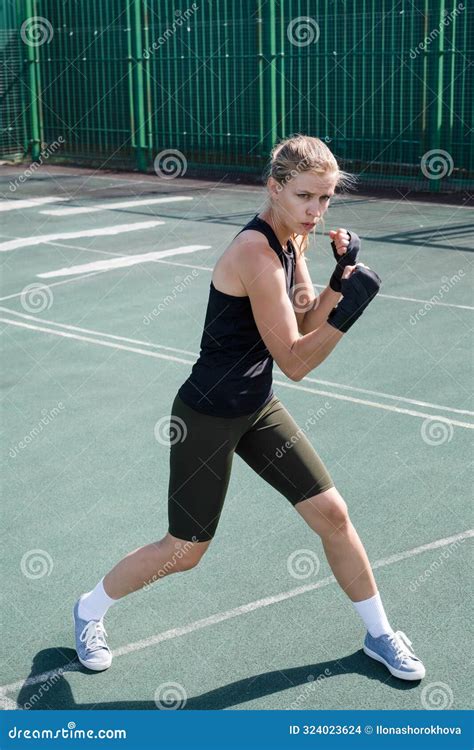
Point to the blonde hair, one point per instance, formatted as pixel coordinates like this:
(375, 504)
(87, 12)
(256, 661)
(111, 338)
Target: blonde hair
(304, 153)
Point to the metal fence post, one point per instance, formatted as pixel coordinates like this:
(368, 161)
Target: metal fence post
(434, 83)
(267, 75)
(138, 86)
(33, 86)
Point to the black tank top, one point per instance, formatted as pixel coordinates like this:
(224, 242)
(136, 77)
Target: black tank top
(233, 375)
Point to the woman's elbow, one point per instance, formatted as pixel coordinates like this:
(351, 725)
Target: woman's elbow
(297, 373)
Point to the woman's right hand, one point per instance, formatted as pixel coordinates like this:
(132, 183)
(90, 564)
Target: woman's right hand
(360, 284)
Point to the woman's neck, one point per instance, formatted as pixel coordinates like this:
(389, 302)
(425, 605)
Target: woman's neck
(283, 234)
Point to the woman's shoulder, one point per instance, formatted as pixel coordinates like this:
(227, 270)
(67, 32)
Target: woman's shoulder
(248, 247)
(247, 242)
(251, 246)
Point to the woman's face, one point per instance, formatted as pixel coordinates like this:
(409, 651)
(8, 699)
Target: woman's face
(302, 201)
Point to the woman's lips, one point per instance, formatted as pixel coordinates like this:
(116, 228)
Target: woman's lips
(308, 226)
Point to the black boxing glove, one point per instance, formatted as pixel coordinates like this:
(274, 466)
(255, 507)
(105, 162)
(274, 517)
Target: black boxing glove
(349, 258)
(359, 290)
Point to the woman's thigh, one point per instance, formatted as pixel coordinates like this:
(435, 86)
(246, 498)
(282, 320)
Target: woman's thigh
(201, 454)
(279, 451)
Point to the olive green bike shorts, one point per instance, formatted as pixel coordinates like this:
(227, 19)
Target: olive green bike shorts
(202, 449)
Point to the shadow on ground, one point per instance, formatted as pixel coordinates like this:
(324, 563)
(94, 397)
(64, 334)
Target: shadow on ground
(54, 691)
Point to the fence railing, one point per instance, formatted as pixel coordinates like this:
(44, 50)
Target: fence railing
(388, 85)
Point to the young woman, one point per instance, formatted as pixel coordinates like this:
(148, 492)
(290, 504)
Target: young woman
(262, 308)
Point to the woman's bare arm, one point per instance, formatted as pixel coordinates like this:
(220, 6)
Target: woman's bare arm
(318, 314)
(311, 310)
(263, 278)
(312, 349)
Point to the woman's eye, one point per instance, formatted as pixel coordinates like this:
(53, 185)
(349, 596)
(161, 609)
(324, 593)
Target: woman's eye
(324, 198)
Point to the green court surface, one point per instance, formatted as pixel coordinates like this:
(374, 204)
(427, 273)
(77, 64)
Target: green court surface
(93, 357)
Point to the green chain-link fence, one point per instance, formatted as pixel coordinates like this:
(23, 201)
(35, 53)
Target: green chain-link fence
(387, 84)
(13, 69)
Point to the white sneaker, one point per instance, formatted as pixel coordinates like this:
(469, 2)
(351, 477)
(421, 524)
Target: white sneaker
(395, 652)
(91, 646)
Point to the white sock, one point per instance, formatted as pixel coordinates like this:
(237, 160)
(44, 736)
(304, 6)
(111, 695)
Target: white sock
(373, 614)
(95, 603)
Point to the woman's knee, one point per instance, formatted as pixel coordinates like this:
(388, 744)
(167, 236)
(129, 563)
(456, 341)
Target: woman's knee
(326, 513)
(184, 554)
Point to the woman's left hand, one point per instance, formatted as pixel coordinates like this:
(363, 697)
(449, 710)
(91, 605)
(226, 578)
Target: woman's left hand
(340, 239)
(345, 246)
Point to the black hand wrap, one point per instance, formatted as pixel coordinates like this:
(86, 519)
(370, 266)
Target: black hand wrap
(349, 258)
(358, 290)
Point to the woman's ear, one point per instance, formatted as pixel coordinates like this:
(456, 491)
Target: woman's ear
(274, 187)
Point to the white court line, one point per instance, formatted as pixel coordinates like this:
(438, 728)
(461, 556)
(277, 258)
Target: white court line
(6, 205)
(96, 333)
(376, 405)
(7, 704)
(50, 286)
(431, 302)
(231, 613)
(152, 345)
(99, 232)
(123, 261)
(337, 396)
(95, 341)
(380, 294)
(110, 206)
(413, 401)
(415, 299)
